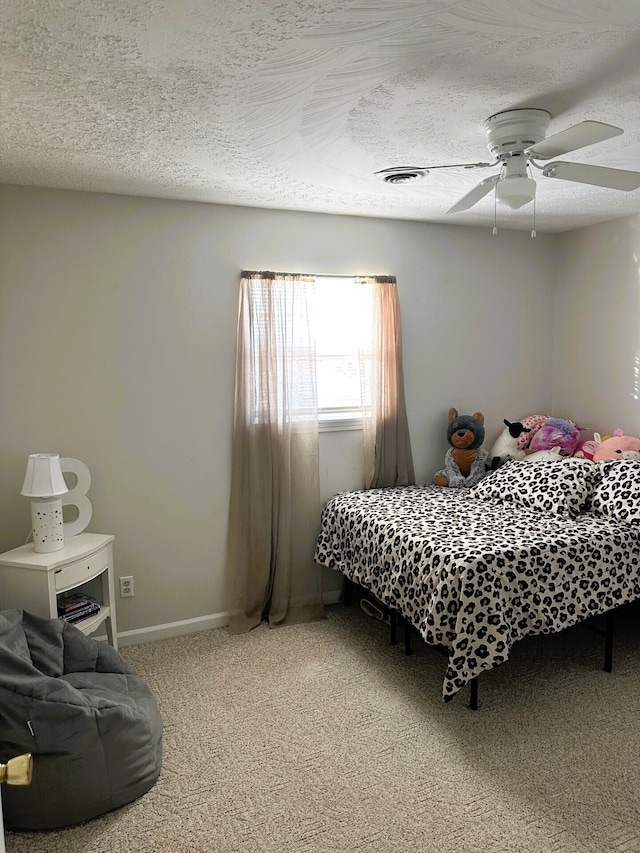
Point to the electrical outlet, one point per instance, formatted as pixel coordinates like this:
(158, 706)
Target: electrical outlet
(126, 587)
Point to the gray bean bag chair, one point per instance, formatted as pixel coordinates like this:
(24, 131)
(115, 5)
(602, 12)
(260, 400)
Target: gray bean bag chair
(91, 724)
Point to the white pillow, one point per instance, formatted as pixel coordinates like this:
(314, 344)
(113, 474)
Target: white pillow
(560, 487)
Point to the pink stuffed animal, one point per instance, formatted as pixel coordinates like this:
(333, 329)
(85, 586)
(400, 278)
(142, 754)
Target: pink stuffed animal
(531, 424)
(586, 448)
(616, 446)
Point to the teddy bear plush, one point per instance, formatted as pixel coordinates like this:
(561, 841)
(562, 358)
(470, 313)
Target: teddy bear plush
(465, 460)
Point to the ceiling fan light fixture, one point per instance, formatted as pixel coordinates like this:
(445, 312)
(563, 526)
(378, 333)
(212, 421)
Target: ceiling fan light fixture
(515, 191)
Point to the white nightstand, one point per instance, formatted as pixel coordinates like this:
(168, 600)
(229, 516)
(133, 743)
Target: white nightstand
(33, 582)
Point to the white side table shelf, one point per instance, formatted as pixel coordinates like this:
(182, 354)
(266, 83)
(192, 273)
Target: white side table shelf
(31, 581)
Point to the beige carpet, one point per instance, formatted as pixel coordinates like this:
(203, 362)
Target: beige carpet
(323, 737)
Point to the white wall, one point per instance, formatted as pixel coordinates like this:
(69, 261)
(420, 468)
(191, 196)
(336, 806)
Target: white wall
(596, 377)
(117, 345)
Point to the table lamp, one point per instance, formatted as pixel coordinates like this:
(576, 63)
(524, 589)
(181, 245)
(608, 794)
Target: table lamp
(44, 483)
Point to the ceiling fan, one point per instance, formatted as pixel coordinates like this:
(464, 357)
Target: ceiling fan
(517, 139)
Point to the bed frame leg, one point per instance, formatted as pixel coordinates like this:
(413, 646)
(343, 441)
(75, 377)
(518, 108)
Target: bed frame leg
(608, 641)
(473, 699)
(393, 627)
(407, 637)
(347, 592)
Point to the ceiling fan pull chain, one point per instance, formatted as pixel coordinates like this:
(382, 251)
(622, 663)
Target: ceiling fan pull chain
(495, 213)
(533, 230)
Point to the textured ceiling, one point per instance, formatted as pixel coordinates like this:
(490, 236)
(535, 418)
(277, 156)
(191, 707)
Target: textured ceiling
(294, 105)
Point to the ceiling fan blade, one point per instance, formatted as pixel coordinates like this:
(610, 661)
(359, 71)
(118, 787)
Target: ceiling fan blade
(573, 138)
(473, 196)
(600, 176)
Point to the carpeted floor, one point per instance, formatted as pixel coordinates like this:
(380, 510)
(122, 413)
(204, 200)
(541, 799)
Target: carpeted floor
(325, 738)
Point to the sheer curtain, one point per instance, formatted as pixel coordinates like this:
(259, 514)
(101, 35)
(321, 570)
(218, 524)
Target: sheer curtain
(274, 506)
(387, 445)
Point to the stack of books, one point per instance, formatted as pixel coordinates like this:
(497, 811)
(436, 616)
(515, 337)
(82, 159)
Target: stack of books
(77, 606)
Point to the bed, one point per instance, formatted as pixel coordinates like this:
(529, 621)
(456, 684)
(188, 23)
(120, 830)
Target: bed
(534, 548)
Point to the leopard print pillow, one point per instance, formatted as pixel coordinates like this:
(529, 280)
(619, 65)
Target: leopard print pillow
(617, 490)
(560, 487)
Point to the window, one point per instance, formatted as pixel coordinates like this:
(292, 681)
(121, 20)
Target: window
(323, 349)
(343, 329)
(325, 326)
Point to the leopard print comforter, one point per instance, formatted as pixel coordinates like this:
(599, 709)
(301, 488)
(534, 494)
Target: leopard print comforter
(475, 576)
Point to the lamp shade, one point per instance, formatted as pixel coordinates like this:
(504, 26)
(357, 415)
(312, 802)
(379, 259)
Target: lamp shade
(515, 191)
(44, 477)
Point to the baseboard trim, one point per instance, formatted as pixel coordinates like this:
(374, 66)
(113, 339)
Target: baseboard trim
(172, 629)
(190, 626)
